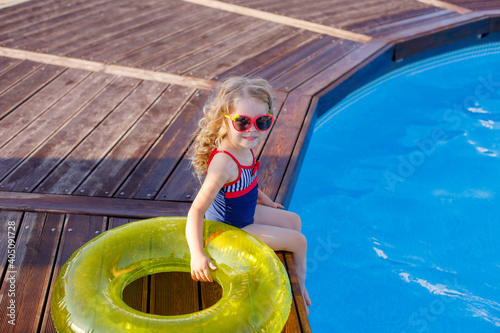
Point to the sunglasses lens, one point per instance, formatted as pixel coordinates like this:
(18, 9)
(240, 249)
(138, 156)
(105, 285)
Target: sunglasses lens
(264, 122)
(242, 123)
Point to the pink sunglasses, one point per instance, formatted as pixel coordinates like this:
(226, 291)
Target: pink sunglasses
(243, 123)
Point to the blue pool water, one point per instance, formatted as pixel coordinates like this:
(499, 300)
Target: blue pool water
(400, 202)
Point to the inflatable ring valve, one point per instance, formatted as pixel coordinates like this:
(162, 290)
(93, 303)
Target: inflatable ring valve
(87, 294)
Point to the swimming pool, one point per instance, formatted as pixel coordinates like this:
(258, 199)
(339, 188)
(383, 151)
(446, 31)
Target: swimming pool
(399, 197)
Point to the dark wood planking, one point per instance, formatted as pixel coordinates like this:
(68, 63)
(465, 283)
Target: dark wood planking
(74, 47)
(313, 65)
(146, 180)
(44, 17)
(114, 31)
(292, 171)
(384, 27)
(121, 46)
(255, 44)
(91, 151)
(16, 9)
(183, 44)
(293, 323)
(237, 36)
(343, 68)
(44, 126)
(271, 55)
(293, 59)
(36, 250)
(7, 233)
(38, 104)
(15, 74)
(476, 5)
(24, 89)
(173, 293)
(130, 208)
(39, 164)
(297, 294)
(111, 173)
(62, 28)
(417, 45)
(6, 63)
(367, 14)
(28, 10)
(211, 293)
(78, 229)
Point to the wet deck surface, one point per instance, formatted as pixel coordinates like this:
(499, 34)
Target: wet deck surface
(99, 101)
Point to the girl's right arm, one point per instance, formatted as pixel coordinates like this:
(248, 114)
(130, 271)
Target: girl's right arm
(216, 178)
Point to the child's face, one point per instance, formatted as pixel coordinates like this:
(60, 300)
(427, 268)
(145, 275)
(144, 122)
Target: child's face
(250, 138)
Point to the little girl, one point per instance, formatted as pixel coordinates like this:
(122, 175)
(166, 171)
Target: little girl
(235, 122)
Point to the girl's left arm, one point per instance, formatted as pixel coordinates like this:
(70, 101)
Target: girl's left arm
(264, 200)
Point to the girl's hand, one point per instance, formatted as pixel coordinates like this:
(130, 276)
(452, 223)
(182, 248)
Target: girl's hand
(200, 264)
(264, 200)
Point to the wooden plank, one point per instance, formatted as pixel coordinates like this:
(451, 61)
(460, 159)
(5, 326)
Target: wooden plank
(297, 294)
(270, 55)
(387, 26)
(107, 68)
(187, 41)
(45, 16)
(211, 293)
(446, 5)
(40, 130)
(293, 323)
(109, 175)
(78, 229)
(297, 155)
(232, 39)
(173, 293)
(36, 249)
(289, 61)
(313, 64)
(342, 68)
(284, 20)
(155, 168)
(10, 221)
(146, 36)
(38, 104)
(11, 3)
(17, 13)
(16, 73)
(91, 151)
(428, 42)
(24, 89)
(74, 46)
(90, 205)
(36, 39)
(6, 63)
(39, 164)
(249, 49)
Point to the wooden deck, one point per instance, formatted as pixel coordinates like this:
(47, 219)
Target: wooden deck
(99, 101)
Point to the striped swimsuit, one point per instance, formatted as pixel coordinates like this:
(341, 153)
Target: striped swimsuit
(236, 201)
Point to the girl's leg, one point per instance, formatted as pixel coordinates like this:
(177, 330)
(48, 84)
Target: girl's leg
(272, 226)
(277, 217)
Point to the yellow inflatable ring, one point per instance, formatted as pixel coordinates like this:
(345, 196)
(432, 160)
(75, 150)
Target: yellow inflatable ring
(87, 294)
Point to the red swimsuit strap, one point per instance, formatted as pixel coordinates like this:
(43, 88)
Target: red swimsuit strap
(255, 164)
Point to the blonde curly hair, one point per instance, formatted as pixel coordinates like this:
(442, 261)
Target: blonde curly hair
(213, 127)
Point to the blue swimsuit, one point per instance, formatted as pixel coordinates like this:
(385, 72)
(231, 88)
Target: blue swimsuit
(236, 201)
